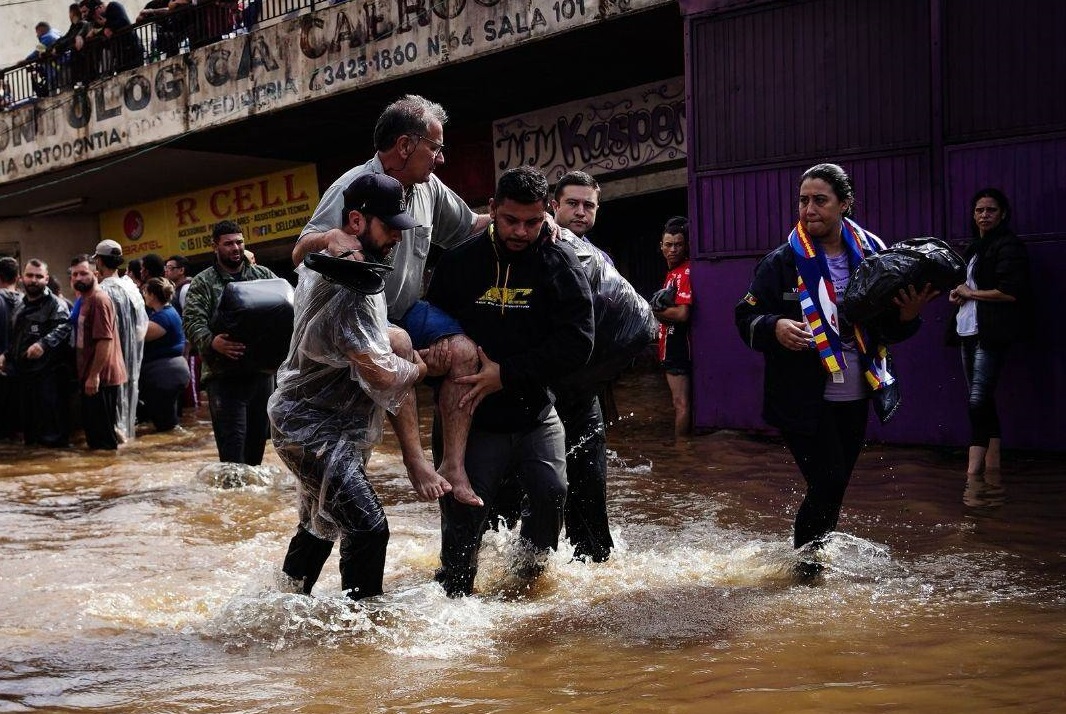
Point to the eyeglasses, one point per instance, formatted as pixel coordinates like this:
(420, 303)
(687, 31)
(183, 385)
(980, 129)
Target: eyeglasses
(438, 146)
(170, 267)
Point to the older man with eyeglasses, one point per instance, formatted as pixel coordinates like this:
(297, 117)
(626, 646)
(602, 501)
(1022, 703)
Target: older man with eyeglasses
(409, 138)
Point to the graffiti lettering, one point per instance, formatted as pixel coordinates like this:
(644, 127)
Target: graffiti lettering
(633, 128)
(537, 147)
(622, 133)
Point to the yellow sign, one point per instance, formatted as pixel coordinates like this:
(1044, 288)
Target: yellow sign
(268, 207)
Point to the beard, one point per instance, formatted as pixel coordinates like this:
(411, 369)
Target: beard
(33, 290)
(229, 264)
(374, 255)
(82, 286)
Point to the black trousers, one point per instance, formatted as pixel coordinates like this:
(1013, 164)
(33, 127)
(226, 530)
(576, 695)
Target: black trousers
(44, 402)
(9, 418)
(334, 488)
(587, 527)
(99, 413)
(586, 475)
(826, 460)
(238, 404)
(537, 456)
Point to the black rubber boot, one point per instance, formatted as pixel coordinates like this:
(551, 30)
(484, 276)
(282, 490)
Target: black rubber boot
(363, 563)
(307, 554)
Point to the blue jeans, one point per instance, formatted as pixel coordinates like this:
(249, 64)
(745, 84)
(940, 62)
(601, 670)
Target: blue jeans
(982, 364)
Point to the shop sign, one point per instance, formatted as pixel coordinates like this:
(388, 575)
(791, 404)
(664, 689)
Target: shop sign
(278, 205)
(340, 48)
(635, 128)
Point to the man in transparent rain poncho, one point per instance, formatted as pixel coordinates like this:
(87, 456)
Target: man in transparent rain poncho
(345, 368)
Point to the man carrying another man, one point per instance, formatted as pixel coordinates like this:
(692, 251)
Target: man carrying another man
(526, 302)
(409, 143)
(342, 372)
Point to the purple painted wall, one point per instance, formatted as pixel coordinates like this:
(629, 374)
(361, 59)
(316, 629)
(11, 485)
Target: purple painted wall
(923, 102)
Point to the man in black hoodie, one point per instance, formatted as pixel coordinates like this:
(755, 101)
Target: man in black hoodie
(526, 302)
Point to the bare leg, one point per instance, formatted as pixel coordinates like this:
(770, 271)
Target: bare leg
(975, 462)
(428, 484)
(680, 385)
(456, 421)
(993, 475)
(992, 456)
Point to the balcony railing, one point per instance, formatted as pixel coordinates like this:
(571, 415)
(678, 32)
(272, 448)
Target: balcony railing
(157, 38)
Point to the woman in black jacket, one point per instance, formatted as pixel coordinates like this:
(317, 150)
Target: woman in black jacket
(821, 372)
(991, 315)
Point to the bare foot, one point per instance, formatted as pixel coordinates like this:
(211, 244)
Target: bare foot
(462, 491)
(429, 485)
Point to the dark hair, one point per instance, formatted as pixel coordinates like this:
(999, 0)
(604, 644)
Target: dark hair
(677, 226)
(154, 264)
(837, 179)
(1001, 200)
(81, 258)
(111, 261)
(45, 25)
(410, 114)
(224, 228)
(522, 184)
(53, 285)
(575, 178)
(181, 261)
(160, 288)
(37, 263)
(9, 269)
(74, 7)
(134, 269)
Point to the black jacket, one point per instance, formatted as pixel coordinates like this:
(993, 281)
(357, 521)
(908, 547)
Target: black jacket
(45, 320)
(1002, 263)
(793, 382)
(530, 311)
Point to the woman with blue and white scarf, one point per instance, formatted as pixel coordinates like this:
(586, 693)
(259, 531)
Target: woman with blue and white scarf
(821, 371)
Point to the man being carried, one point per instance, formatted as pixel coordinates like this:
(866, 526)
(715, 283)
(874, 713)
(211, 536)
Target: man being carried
(526, 302)
(409, 139)
(341, 374)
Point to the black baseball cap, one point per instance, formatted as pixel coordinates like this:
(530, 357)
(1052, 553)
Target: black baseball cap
(378, 195)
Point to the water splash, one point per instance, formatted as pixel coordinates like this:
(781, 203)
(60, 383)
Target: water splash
(230, 476)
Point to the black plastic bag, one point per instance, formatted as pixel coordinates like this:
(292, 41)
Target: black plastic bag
(258, 313)
(625, 325)
(880, 277)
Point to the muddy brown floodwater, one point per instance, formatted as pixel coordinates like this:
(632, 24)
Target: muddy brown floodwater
(137, 583)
